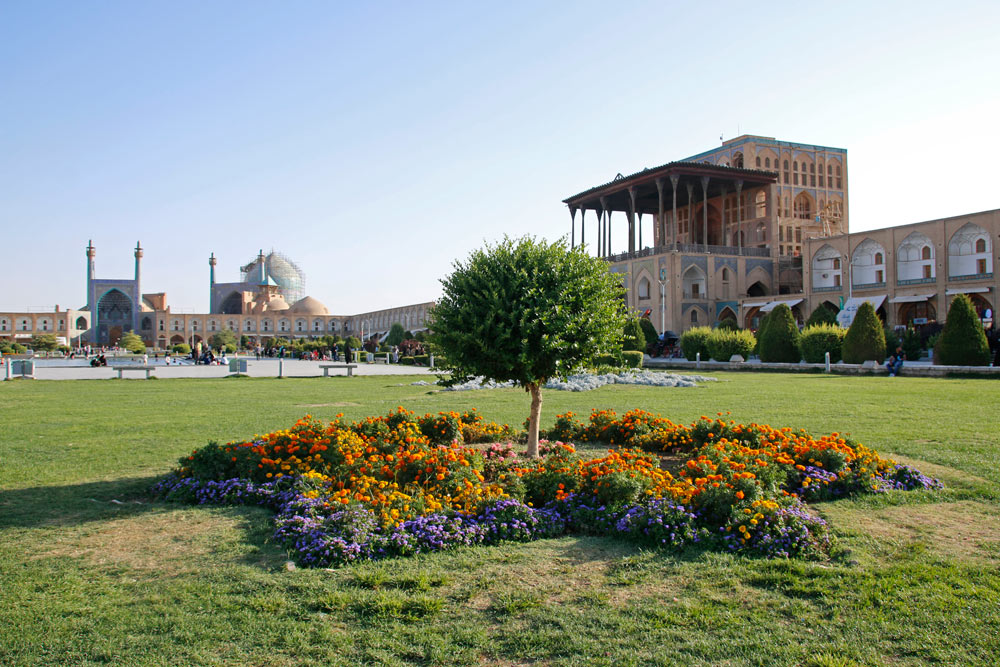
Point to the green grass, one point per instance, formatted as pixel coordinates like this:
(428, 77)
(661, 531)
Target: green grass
(88, 581)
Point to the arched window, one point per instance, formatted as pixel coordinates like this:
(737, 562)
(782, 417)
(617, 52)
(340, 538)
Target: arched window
(878, 258)
(803, 206)
(738, 160)
(761, 200)
(81, 323)
(925, 252)
(694, 316)
(767, 163)
(147, 323)
(758, 162)
(694, 283)
(643, 288)
(980, 245)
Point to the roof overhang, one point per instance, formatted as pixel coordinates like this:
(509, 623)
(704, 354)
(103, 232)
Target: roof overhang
(916, 298)
(648, 184)
(967, 290)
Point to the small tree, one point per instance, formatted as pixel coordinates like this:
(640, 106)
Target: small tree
(44, 342)
(865, 340)
(761, 329)
(397, 334)
(779, 340)
(223, 340)
(962, 341)
(649, 331)
(132, 342)
(525, 311)
(823, 314)
(634, 338)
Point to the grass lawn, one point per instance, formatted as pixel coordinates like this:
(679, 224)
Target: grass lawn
(92, 572)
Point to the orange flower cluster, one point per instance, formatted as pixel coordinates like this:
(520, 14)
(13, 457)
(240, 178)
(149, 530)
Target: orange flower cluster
(386, 464)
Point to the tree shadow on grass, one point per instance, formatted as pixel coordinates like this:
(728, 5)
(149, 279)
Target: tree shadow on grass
(75, 503)
(123, 509)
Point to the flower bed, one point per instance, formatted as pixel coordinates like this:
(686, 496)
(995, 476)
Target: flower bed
(401, 484)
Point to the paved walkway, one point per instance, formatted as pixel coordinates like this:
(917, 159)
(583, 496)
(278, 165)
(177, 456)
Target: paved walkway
(262, 368)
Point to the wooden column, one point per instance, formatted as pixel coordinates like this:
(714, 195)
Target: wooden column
(704, 210)
(673, 221)
(583, 229)
(607, 227)
(631, 220)
(722, 207)
(739, 216)
(659, 220)
(690, 189)
(572, 227)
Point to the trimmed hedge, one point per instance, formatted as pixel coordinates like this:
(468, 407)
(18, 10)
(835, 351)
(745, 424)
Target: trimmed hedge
(724, 343)
(963, 341)
(695, 340)
(634, 338)
(865, 340)
(631, 359)
(818, 339)
(779, 341)
(180, 348)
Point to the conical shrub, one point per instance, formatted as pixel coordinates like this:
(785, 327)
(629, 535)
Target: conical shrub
(865, 340)
(780, 339)
(962, 341)
(823, 314)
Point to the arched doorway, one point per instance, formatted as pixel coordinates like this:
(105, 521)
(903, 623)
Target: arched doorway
(912, 313)
(233, 305)
(114, 314)
(757, 289)
(727, 314)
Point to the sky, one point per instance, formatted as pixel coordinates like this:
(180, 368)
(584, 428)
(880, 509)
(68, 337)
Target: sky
(377, 143)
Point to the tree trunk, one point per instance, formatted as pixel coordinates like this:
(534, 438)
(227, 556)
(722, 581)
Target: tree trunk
(533, 419)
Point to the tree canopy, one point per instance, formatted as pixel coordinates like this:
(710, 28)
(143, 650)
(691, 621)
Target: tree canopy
(397, 334)
(526, 310)
(132, 342)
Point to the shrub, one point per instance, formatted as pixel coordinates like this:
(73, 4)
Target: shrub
(407, 361)
(962, 342)
(779, 341)
(695, 340)
(913, 344)
(724, 343)
(634, 338)
(632, 359)
(865, 340)
(728, 324)
(422, 359)
(823, 314)
(818, 339)
(761, 328)
(649, 331)
(180, 348)
(891, 339)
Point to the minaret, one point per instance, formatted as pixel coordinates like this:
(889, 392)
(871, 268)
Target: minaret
(137, 307)
(211, 283)
(263, 270)
(91, 306)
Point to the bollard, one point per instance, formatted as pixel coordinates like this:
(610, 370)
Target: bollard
(8, 368)
(697, 360)
(432, 361)
(827, 362)
(279, 366)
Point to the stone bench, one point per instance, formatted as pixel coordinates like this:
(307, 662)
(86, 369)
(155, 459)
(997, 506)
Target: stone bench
(122, 369)
(326, 368)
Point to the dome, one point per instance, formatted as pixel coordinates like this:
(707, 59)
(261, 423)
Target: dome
(277, 270)
(276, 302)
(309, 306)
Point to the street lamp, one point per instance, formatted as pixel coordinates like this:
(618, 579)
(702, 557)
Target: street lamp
(663, 304)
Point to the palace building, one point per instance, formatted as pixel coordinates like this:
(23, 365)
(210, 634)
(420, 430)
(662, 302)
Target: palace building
(734, 231)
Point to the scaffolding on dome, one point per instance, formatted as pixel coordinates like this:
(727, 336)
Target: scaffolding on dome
(286, 274)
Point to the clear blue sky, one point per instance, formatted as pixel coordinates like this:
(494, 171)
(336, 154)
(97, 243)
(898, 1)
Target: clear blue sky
(375, 143)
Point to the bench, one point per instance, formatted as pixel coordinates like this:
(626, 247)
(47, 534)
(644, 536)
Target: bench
(326, 368)
(121, 369)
